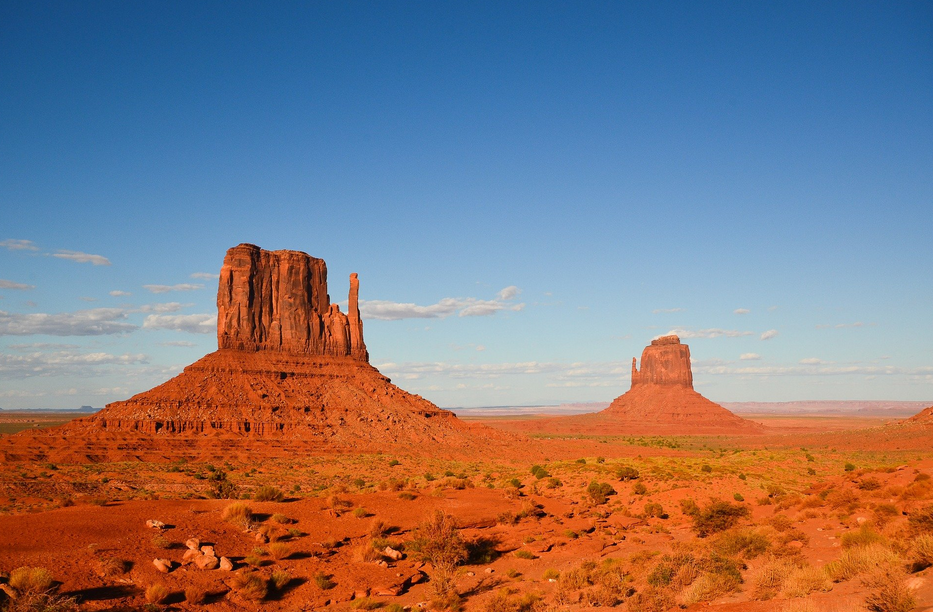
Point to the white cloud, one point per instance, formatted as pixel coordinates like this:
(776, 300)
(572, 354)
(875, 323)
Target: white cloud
(665, 310)
(18, 245)
(812, 361)
(205, 275)
(480, 347)
(78, 256)
(750, 356)
(741, 311)
(94, 322)
(814, 370)
(509, 293)
(178, 287)
(192, 324)
(846, 325)
(183, 343)
(119, 293)
(8, 284)
(771, 333)
(163, 308)
(62, 363)
(713, 332)
(464, 307)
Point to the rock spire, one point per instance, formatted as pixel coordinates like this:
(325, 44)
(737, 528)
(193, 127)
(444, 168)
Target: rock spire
(665, 362)
(278, 301)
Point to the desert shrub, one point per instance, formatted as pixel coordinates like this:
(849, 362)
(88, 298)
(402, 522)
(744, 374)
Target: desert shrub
(523, 553)
(921, 521)
(238, 514)
(407, 495)
(281, 519)
(195, 594)
(254, 560)
(550, 574)
(922, 550)
(361, 512)
(848, 467)
(365, 603)
(650, 599)
(869, 484)
(639, 489)
(627, 473)
(780, 522)
(437, 541)
(112, 566)
(539, 472)
(803, 581)
(811, 471)
(31, 580)
(160, 541)
(280, 579)
(655, 510)
(918, 489)
(599, 491)
(864, 536)
(738, 497)
(710, 586)
(378, 528)
(844, 498)
(508, 600)
(747, 543)
(250, 585)
(157, 593)
(770, 578)
(706, 468)
(859, 560)
(553, 483)
(268, 493)
(689, 507)
(279, 550)
(890, 594)
(718, 516)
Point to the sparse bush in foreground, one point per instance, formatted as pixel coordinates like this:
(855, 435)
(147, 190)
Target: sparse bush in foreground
(803, 581)
(280, 579)
(323, 581)
(921, 521)
(438, 542)
(250, 585)
(747, 543)
(890, 594)
(112, 566)
(31, 580)
(922, 550)
(157, 593)
(865, 535)
(238, 514)
(279, 550)
(268, 493)
(195, 594)
(718, 516)
(627, 473)
(860, 560)
(507, 600)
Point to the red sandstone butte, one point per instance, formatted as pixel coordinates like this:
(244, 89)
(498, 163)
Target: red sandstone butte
(290, 366)
(662, 398)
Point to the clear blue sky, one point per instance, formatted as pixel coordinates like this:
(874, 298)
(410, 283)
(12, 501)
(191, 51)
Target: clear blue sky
(529, 191)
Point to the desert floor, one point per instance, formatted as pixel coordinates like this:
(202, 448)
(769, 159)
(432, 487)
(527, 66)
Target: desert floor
(820, 514)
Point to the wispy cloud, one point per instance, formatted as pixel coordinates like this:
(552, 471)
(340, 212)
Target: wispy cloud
(8, 284)
(18, 245)
(164, 308)
(94, 322)
(771, 333)
(463, 307)
(192, 323)
(812, 361)
(205, 275)
(665, 310)
(78, 256)
(750, 356)
(741, 311)
(845, 325)
(118, 293)
(178, 287)
(713, 332)
(813, 370)
(182, 343)
(61, 363)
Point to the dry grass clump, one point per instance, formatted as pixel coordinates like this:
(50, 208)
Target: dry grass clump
(157, 593)
(865, 535)
(268, 493)
(323, 581)
(280, 579)
(508, 600)
(921, 521)
(746, 543)
(160, 541)
(437, 541)
(717, 516)
(771, 577)
(195, 594)
(279, 550)
(108, 567)
(250, 585)
(31, 580)
(804, 580)
(889, 593)
(922, 550)
(860, 560)
(238, 514)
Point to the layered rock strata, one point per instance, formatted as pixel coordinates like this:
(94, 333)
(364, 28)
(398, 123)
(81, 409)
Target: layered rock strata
(665, 362)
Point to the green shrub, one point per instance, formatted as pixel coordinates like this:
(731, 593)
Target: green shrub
(267, 494)
(865, 535)
(718, 516)
(848, 467)
(738, 497)
(627, 473)
(324, 581)
(639, 489)
(31, 580)
(522, 553)
(599, 491)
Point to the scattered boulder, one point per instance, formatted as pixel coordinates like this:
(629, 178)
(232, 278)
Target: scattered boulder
(154, 524)
(395, 555)
(206, 562)
(190, 555)
(193, 543)
(226, 564)
(208, 550)
(163, 565)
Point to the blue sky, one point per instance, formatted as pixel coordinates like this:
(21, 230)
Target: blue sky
(529, 192)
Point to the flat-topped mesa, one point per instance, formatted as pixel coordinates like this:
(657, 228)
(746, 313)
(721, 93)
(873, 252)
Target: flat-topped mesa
(665, 362)
(278, 301)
